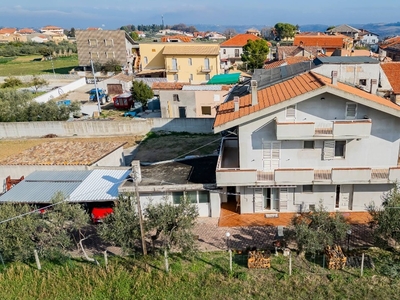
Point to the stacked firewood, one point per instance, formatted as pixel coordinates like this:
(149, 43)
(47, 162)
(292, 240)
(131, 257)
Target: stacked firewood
(259, 260)
(335, 257)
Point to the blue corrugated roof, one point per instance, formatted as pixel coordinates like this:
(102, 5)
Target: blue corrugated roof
(54, 176)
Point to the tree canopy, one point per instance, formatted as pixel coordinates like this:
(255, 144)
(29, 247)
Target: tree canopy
(285, 30)
(386, 217)
(141, 92)
(255, 54)
(314, 230)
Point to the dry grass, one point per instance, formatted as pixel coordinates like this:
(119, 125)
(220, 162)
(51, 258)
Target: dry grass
(11, 147)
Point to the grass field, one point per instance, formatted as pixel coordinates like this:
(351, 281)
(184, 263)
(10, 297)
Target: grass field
(26, 65)
(206, 276)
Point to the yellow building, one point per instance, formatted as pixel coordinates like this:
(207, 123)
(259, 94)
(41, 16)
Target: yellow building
(181, 62)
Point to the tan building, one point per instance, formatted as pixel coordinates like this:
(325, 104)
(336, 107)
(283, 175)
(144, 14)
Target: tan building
(181, 62)
(104, 45)
(53, 29)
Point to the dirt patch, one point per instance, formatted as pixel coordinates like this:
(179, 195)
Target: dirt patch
(11, 147)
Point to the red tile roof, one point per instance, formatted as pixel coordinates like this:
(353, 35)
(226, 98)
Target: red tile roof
(168, 85)
(392, 72)
(240, 40)
(8, 30)
(326, 41)
(26, 31)
(390, 42)
(182, 38)
(291, 88)
(285, 62)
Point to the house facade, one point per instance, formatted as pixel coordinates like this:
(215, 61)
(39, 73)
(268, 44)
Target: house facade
(180, 62)
(232, 49)
(191, 101)
(306, 141)
(390, 80)
(104, 45)
(327, 43)
(390, 49)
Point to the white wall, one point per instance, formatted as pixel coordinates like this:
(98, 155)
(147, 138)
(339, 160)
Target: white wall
(60, 91)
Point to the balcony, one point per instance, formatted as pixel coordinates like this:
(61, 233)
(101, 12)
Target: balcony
(206, 69)
(173, 69)
(337, 129)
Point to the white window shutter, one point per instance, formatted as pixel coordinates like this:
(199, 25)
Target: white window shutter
(329, 150)
(291, 112)
(351, 110)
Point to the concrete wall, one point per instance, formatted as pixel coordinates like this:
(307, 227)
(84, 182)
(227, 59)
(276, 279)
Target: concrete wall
(60, 91)
(116, 158)
(103, 128)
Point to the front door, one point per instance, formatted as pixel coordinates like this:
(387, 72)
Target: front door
(182, 112)
(344, 197)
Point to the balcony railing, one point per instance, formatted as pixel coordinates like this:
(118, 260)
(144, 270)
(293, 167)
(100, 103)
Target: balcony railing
(206, 69)
(337, 129)
(173, 69)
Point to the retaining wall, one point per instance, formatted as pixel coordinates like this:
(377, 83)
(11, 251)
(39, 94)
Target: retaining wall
(60, 91)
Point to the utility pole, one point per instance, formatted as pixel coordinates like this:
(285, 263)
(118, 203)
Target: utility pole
(52, 65)
(95, 86)
(137, 177)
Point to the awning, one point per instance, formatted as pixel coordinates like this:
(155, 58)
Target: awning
(150, 71)
(230, 78)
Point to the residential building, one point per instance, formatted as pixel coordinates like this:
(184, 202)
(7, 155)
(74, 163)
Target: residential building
(390, 48)
(169, 181)
(346, 30)
(283, 52)
(176, 39)
(253, 31)
(12, 37)
(190, 101)
(232, 49)
(286, 62)
(328, 43)
(180, 62)
(368, 38)
(26, 31)
(118, 84)
(104, 45)
(52, 29)
(390, 80)
(4, 31)
(307, 140)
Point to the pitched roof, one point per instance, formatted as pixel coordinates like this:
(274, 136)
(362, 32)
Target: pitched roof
(240, 40)
(392, 71)
(182, 38)
(345, 28)
(390, 42)
(326, 41)
(191, 49)
(292, 88)
(26, 31)
(287, 61)
(168, 85)
(8, 30)
(123, 77)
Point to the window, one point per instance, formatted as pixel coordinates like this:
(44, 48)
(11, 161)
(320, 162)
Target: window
(207, 77)
(106, 54)
(291, 112)
(206, 110)
(175, 97)
(192, 196)
(363, 82)
(146, 61)
(92, 42)
(351, 110)
(340, 148)
(176, 77)
(177, 197)
(90, 55)
(109, 42)
(334, 149)
(207, 64)
(224, 51)
(189, 61)
(190, 77)
(237, 53)
(373, 40)
(308, 145)
(308, 188)
(204, 196)
(113, 54)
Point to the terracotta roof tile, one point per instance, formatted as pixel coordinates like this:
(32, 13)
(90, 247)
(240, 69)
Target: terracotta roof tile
(284, 62)
(8, 30)
(392, 72)
(168, 85)
(240, 40)
(26, 31)
(390, 42)
(286, 90)
(191, 49)
(327, 41)
(182, 38)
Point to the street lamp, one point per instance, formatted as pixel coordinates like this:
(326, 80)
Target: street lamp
(348, 239)
(229, 250)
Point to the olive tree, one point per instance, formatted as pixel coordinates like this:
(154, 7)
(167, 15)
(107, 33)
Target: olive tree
(386, 218)
(314, 230)
(141, 92)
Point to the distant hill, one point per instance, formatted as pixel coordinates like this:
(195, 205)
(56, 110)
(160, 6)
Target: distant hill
(382, 29)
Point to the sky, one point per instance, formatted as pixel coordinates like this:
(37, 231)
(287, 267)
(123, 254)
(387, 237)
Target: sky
(112, 14)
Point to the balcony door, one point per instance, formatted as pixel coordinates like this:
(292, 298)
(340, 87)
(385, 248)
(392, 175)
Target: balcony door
(271, 152)
(174, 64)
(207, 64)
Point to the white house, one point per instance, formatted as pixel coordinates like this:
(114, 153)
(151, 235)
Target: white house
(368, 38)
(307, 140)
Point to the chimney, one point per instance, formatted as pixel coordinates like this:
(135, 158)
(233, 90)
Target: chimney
(334, 77)
(236, 103)
(254, 100)
(136, 172)
(374, 86)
